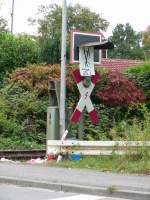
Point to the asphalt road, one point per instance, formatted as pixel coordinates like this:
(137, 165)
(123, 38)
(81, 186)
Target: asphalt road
(75, 180)
(12, 192)
(75, 176)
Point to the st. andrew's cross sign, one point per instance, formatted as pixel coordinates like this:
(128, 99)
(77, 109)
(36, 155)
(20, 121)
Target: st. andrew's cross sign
(86, 53)
(85, 100)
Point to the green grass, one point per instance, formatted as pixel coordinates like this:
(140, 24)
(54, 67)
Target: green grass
(121, 164)
(12, 144)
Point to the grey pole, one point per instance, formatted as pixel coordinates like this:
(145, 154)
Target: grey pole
(63, 69)
(12, 16)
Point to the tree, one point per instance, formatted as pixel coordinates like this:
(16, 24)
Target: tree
(127, 43)
(3, 22)
(146, 36)
(146, 41)
(49, 27)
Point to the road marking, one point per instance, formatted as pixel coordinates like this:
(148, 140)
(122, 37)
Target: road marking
(80, 197)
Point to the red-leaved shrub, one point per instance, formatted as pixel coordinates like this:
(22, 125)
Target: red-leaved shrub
(119, 91)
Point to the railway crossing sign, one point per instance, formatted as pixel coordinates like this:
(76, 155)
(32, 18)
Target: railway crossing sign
(83, 51)
(86, 57)
(85, 100)
(78, 38)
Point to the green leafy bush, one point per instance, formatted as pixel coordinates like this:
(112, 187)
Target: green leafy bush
(99, 131)
(135, 130)
(16, 51)
(23, 106)
(22, 116)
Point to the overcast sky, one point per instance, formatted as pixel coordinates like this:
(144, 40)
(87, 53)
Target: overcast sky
(136, 12)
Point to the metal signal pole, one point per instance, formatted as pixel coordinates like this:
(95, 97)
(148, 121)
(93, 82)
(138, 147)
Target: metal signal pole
(12, 16)
(63, 69)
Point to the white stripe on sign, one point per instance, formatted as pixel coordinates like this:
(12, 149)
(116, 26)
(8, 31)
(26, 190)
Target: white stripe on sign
(80, 197)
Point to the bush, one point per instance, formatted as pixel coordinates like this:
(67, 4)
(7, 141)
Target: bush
(22, 116)
(135, 130)
(23, 105)
(99, 131)
(119, 91)
(24, 102)
(141, 77)
(16, 51)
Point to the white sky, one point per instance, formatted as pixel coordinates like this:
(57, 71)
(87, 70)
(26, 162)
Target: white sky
(136, 12)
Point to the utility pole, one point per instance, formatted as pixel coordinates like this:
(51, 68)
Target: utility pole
(63, 69)
(12, 16)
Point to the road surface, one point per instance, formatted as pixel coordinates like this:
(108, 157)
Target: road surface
(12, 192)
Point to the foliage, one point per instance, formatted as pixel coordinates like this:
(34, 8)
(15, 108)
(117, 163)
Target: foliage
(11, 143)
(119, 91)
(132, 130)
(125, 102)
(116, 163)
(23, 105)
(3, 25)
(24, 101)
(127, 43)
(22, 116)
(146, 42)
(146, 36)
(35, 78)
(141, 77)
(78, 17)
(50, 50)
(3, 22)
(143, 68)
(49, 27)
(99, 131)
(16, 51)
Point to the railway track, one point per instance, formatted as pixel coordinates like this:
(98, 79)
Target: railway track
(22, 154)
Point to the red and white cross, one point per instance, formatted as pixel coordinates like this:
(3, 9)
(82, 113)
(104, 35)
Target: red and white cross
(85, 98)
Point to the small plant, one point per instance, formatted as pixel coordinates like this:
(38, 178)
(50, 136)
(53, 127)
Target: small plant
(111, 189)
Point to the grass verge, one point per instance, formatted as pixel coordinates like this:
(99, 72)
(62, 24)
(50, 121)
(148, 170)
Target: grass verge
(121, 164)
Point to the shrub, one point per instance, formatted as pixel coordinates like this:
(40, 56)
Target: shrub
(24, 101)
(16, 51)
(119, 91)
(135, 130)
(141, 77)
(99, 131)
(23, 105)
(35, 78)
(22, 116)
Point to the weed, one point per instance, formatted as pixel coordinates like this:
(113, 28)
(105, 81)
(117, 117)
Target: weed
(111, 189)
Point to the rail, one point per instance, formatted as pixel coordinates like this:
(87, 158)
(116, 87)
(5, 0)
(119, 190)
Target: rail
(97, 147)
(22, 154)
